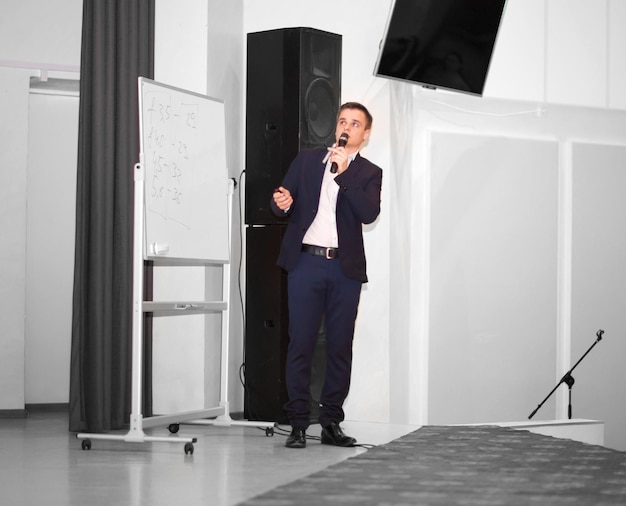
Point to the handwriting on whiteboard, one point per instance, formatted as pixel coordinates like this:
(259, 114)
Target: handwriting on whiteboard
(170, 129)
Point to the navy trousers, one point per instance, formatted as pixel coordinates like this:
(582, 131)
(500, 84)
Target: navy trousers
(317, 286)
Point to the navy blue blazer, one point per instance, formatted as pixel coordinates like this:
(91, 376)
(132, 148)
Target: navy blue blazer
(358, 202)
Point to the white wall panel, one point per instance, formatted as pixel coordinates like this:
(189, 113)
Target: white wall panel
(599, 286)
(51, 216)
(13, 160)
(493, 277)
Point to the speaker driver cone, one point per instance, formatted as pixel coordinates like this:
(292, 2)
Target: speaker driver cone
(320, 111)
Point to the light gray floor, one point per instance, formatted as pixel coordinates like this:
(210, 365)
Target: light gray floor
(42, 463)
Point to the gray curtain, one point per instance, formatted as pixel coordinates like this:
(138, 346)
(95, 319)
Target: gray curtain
(117, 47)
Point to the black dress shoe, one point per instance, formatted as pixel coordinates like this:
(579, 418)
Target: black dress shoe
(297, 438)
(333, 435)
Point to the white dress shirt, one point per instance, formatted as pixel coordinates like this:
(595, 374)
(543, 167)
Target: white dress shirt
(323, 230)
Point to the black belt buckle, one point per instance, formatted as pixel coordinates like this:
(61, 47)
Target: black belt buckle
(330, 253)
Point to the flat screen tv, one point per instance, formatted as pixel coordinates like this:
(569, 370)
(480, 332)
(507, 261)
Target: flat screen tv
(440, 43)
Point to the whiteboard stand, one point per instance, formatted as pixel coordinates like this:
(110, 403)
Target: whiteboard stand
(183, 157)
(137, 421)
(218, 416)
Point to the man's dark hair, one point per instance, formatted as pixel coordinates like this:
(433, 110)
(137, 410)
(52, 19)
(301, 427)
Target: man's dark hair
(360, 107)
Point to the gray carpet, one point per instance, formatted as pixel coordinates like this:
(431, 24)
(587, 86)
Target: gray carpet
(469, 466)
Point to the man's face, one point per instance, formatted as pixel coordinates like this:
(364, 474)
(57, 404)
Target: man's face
(352, 121)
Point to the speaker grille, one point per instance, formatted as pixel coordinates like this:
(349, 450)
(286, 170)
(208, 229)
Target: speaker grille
(320, 112)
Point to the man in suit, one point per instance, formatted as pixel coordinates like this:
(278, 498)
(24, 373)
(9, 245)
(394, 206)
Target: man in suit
(327, 196)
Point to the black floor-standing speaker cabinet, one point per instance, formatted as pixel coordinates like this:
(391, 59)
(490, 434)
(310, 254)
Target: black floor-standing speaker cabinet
(267, 322)
(293, 93)
(267, 332)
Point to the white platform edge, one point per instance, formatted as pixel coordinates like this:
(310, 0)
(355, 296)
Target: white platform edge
(579, 429)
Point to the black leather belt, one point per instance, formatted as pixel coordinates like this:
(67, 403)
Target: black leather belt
(329, 253)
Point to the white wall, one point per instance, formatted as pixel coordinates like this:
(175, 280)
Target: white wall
(48, 32)
(534, 58)
(13, 156)
(51, 215)
(48, 35)
(502, 319)
(199, 47)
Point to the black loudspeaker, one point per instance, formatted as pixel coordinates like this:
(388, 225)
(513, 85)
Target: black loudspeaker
(267, 331)
(292, 98)
(267, 323)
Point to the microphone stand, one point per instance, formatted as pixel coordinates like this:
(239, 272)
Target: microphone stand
(568, 379)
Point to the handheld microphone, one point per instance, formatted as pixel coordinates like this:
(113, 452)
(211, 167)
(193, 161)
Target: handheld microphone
(343, 140)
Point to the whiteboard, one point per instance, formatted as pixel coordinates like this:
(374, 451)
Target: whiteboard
(183, 154)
